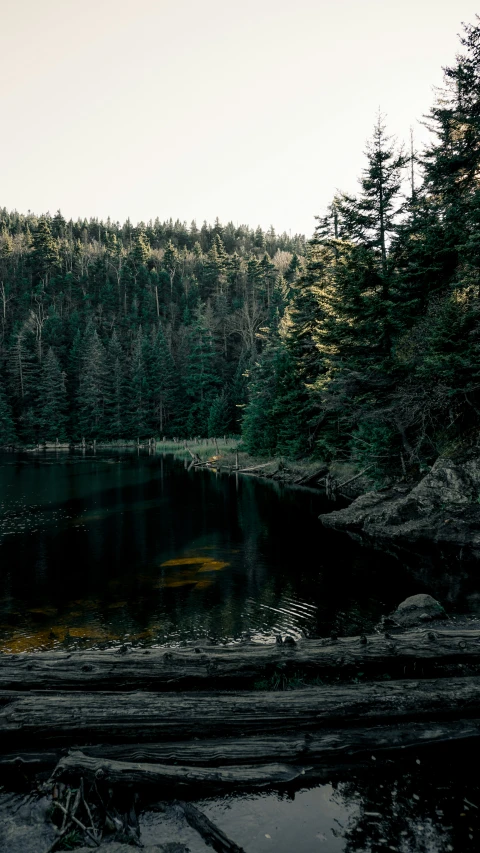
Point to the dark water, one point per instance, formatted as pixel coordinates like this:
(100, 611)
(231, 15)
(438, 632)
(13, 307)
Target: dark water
(428, 803)
(103, 549)
(111, 548)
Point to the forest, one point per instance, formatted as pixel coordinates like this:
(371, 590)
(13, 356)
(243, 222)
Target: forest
(113, 332)
(360, 345)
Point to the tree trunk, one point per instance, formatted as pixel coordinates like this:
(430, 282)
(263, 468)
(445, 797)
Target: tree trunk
(66, 718)
(237, 666)
(135, 773)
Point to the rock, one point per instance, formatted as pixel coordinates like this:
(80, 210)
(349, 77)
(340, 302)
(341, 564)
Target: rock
(416, 610)
(24, 827)
(443, 508)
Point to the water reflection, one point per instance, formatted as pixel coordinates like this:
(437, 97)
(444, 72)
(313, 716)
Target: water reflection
(426, 803)
(98, 550)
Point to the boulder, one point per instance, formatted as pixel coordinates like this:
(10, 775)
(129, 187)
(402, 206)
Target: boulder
(443, 508)
(416, 610)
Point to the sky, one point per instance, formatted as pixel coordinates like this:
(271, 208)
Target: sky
(254, 111)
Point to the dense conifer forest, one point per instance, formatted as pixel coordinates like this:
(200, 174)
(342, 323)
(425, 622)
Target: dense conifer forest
(111, 332)
(361, 345)
(376, 358)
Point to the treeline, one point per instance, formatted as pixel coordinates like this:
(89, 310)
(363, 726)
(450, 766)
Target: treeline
(110, 331)
(376, 357)
(361, 346)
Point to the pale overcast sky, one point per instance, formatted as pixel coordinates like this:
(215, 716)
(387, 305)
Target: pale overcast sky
(252, 111)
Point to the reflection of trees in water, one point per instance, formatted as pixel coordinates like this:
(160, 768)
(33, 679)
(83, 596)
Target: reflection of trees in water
(429, 807)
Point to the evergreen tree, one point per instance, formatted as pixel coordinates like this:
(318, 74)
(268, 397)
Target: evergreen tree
(92, 389)
(115, 390)
(52, 400)
(201, 379)
(215, 267)
(219, 417)
(170, 262)
(7, 428)
(165, 387)
(370, 220)
(138, 414)
(45, 259)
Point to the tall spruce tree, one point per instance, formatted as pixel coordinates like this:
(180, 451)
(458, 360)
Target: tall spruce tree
(45, 258)
(91, 395)
(139, 396)
(7, 427)
(165, 387)
(52, 400)
(115, 390)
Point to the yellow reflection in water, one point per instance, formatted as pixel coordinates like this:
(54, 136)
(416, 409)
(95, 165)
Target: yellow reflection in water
(213, 566)
(47, 638)
(187, 572)
(170, 583)
(193, 566)
(43, 611)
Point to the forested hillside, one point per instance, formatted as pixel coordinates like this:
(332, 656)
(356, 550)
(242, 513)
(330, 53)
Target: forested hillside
(362, 346)
(110, 331)
(376, 359)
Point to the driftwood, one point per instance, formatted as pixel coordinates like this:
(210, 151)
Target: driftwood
(309, 478)
(79, 823)
(256, 467)
(239, 665)
(68, 718)
(298, 757)
(78, 763)
(315, 750)
(24, 760)
(208, 830)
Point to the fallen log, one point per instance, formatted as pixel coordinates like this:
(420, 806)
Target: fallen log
(325, 746)
(256, 467)
(22, 760)
(208, 830)
(77, 763)
(309, 478)
(235, 666)
(67, 718)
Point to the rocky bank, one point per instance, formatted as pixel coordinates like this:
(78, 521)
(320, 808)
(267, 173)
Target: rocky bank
(442, 509)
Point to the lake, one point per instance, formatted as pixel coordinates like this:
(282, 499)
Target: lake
(98, 550)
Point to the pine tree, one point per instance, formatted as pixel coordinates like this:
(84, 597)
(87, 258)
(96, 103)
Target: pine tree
(7, 428)
(165, 387)
(45, 259)
(371, 220)
(219, 417)
(115, 390)
(201, 379)
(138, 397)
(141, 248)
(214, 274)
(92, 388)
(170, 262)
(52, 400)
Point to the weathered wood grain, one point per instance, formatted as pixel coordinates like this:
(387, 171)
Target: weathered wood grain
(247, 762)
(68, 718)
(160, 669)
(327, 745)
(77, 764)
